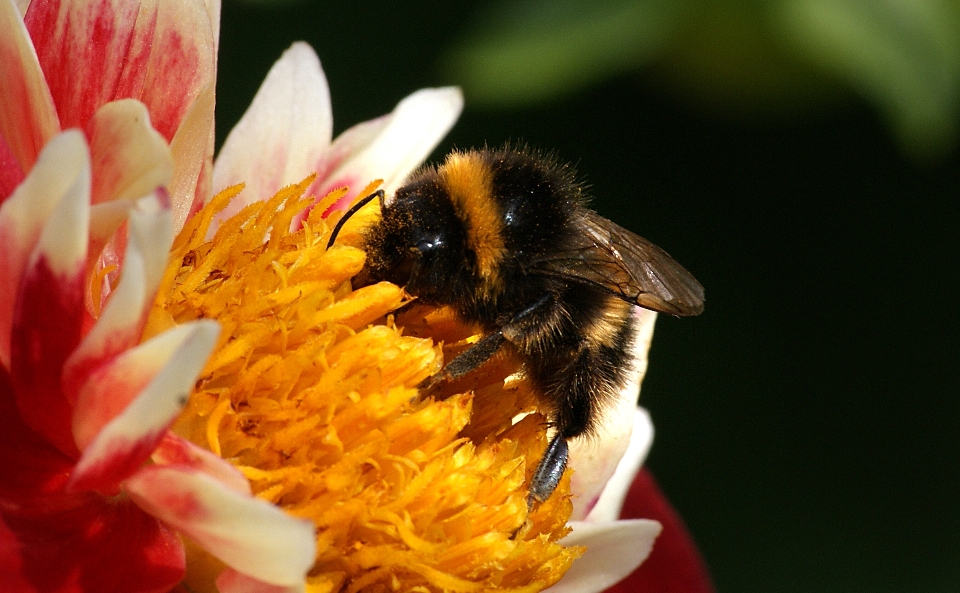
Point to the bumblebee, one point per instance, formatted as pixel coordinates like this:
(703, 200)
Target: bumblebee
(505, 239)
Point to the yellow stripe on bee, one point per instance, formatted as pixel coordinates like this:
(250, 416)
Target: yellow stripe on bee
(469, 182)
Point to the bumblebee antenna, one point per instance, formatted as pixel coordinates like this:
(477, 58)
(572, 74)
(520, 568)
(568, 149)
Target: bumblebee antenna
(353, 210)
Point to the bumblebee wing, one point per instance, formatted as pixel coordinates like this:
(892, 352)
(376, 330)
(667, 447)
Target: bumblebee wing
(608, 255)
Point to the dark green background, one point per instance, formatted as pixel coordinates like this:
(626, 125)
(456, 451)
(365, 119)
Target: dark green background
(807, 422)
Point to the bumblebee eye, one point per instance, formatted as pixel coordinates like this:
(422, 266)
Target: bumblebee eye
(428, 245)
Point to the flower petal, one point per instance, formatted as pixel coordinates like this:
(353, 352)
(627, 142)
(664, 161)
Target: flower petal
(30, 466)
(158, 52)
(130, 159)
(406, 137)
(173, 450)
(62, 166)
(283, 134)
(102, 545)
(127, 404)
(149, 235)
(11, 175)
(192, 148)
(609, 505)
(596, 459)
(28, 119)
(675, 565)
(614, 550)
(49, 312)
(232, 581)
(246, 533)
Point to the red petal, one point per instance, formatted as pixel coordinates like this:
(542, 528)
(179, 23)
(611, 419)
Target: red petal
(30, 466)
(95, 51)
(102, 545)
(674, 565)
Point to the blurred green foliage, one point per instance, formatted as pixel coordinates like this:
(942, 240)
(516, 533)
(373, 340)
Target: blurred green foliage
(765, 57)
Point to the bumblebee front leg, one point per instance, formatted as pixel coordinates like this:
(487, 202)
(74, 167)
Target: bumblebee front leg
(466, 361)
(474, 356)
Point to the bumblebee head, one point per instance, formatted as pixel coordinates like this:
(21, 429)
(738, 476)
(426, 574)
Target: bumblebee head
(419, 243)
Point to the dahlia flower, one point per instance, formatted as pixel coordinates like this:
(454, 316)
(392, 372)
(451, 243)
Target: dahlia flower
(95, 493)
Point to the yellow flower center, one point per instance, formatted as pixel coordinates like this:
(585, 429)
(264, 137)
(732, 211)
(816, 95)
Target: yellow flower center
(311, 394)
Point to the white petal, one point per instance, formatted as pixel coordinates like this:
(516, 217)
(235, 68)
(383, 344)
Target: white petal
(614, 550)
(595, 459)
(611, 499)
(246, 533)
(117, 424)
(406, 137)
(283, 134)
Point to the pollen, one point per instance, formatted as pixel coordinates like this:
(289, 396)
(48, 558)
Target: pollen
(311, 393)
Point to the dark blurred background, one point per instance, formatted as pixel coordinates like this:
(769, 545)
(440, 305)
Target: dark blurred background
(807, 422)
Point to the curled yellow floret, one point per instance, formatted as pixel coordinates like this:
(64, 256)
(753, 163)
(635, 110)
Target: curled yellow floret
(312, 394)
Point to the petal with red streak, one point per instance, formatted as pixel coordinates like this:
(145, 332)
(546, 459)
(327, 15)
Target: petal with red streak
(284, 134)
(406, 138)
(28, 119)
(158, 52)
(62, 167)
(150, 233)
(614, 550)
(246, 533)
(49, 312)
(127, 404)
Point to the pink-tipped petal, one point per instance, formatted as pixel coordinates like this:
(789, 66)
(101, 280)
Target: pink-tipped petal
(127, 404)
(28, 119)
(62, 165)
(174, 450)
(283, 135)
(158, 52)
(49, 312)
(610, 503)
(192, 148)
(595, 460)
(406, 138)
(149, 235)
(130, 159)
(614, 550)
(246, 533)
